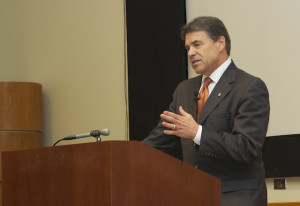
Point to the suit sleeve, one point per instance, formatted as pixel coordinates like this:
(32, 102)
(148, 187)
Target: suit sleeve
(243, 140)
(157, 138)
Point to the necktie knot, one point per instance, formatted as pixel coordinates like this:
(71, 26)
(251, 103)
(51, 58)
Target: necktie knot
(207, 81)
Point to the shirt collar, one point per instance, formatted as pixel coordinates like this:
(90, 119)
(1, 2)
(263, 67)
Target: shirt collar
(216, 75)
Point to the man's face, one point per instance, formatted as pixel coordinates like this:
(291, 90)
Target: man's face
(203, 52)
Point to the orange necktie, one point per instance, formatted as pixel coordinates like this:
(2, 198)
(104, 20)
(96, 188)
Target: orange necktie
(203, 95)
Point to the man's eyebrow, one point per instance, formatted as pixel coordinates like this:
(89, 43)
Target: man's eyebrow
(194, 42)
(197, 41)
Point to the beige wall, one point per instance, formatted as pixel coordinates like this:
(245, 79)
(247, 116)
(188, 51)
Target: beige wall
(265, 40)
(75, 49)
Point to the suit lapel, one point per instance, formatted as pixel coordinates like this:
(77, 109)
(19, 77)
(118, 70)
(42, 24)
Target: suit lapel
(222, 88)
(192, 94)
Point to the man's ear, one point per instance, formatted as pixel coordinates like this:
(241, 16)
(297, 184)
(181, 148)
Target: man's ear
(221, 43)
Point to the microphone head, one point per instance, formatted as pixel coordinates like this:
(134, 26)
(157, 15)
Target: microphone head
(196, 96)
(196, 99)
(105, 132)
(95, 133)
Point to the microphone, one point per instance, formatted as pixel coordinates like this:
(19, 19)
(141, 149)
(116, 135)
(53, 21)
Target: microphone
(196, 96)
(94, 133)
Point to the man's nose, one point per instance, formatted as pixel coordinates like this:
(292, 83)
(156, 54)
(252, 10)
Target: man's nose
(191, 52)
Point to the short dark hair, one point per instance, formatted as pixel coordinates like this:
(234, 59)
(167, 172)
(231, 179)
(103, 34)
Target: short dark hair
(213, 26)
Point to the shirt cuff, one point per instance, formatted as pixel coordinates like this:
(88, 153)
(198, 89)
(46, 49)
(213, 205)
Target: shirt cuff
(197, 138)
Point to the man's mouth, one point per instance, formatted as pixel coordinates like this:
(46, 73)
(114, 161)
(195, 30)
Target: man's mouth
(196, 61)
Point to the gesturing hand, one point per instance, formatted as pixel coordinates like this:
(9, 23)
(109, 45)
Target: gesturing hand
(185, 125)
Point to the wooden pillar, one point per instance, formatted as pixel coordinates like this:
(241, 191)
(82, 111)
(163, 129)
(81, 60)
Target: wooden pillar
(21, 122)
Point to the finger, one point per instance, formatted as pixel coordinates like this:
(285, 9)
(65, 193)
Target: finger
(182, 112)
(168, 118)
(170, 132)
(169, 125)
(171, 114)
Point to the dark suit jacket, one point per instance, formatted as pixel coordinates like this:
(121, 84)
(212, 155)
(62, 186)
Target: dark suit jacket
(234, 120)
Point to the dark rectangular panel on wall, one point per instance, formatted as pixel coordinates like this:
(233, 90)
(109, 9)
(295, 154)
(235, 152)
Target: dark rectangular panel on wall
(281, 155)
(157, 60)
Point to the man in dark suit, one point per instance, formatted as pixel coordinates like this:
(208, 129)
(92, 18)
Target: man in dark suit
(225, 136)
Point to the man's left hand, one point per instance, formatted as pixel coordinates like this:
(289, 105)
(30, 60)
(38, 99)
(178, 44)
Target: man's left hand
(185, 125)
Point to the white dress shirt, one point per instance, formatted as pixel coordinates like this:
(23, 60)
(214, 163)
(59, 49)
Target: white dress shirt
(215, 76)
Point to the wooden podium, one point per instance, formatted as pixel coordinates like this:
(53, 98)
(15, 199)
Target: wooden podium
(114, 173)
